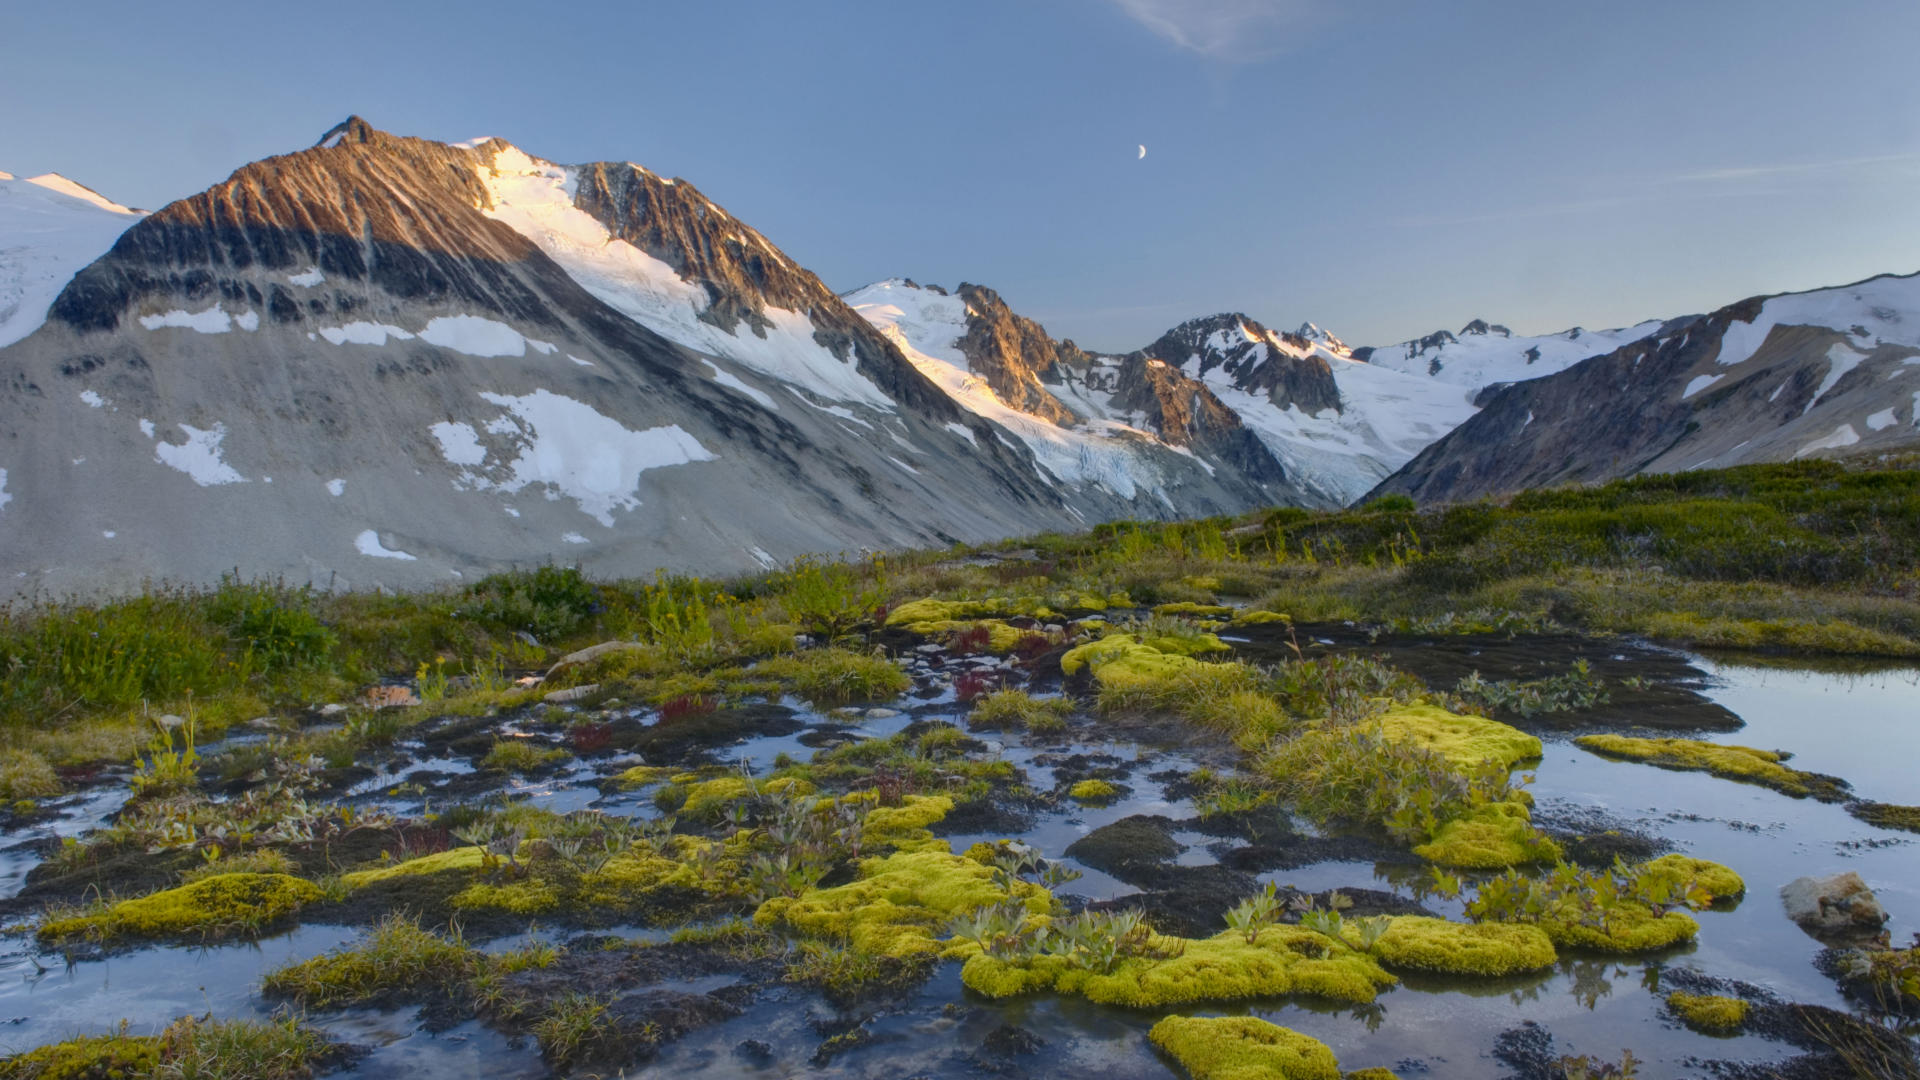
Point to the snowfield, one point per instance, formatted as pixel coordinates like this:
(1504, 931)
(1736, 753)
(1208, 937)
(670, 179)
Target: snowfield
(50, 227)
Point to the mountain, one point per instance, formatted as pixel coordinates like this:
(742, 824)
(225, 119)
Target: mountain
(392, 361)
(1485, 355)
(50, 227)
(1767, 379)
(1294, 410)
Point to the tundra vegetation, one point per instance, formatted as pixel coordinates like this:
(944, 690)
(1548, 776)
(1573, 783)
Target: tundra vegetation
(384, 735)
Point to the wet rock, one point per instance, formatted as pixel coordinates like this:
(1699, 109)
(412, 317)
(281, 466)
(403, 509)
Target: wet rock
(882, 714)
(1839, 905)
(1008, 1040)
(1190, 901)
(1135, 847)
(754, 1050)
(590, 654)
(571, 694)
(331, 709)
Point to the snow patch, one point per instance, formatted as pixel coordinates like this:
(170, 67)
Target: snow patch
(308, 278)
(211, 321)
(364, 333)
(903, 464)
(336, 487)
(1699, 383)
(572, 538)
(1844, 435)
(459, 443)
(92, 399)
(964, 432)
(582, 363)
(1881, 420)
(199, 457)
(1840, 360)
(50, 227)
(108, 533)
(732, 382)
(568, 448)
(248, 320)
(368, 543)
(4, 497)
(765, 560)
(475, 336)
(146, 427)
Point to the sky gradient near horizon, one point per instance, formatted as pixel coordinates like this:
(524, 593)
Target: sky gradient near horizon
(1383, 168)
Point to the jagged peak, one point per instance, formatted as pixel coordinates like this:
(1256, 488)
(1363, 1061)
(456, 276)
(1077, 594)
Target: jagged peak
(353, 129)
(1482, 326)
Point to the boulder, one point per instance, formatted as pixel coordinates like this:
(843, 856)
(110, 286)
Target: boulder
(1840, 904)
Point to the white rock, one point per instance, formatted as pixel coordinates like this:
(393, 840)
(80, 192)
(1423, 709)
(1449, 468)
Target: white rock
(1840, 904)
(571, 694)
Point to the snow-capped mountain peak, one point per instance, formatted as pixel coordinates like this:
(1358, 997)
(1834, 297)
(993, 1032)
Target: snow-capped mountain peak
(50, 227)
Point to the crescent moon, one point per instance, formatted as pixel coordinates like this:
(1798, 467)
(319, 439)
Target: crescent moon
(1143, 153)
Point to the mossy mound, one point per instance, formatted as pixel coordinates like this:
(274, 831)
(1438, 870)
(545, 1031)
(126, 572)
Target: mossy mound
(1678, 875)
(1713, 1014)
(1465, 741)
(89, 1057)
(1258, 617)
(460, 858)
(1285, 960)
(1243, 1048)
(1188, 607)
(1886, 815)
(900, 904)
(1001, 637)
(905, 826)
(1094, 791)
(1628, 928)
(1420, 943)
(1008, 708)
(1746, 763)
(1490, 837)
(221, 904)
(914, 613)
(1121, 662)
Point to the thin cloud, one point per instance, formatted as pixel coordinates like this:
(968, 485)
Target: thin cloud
(1751, 172)
(1229, 30)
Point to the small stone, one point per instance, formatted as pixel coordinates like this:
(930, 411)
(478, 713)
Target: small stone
(930, 647)
(334, 709)
(1840, 904)
(754, 1050)
(170, 721)
(571, 694)
(264, 723)
(882, 714)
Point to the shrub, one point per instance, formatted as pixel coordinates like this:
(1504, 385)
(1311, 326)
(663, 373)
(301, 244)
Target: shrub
(550, 602)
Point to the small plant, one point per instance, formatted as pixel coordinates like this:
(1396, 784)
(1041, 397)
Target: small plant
(171, 761)
(520, 756)
(590, 736)
(685, 706)
(1255, 913)
(830, 599)
(568, 1026)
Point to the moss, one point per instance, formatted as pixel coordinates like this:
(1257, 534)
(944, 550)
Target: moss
(1489, 837)
(836, 676)
(529, 897)
(1243, 1048)
(1710, 1013)
(518, 755)
(908, 822)
(1018, 709)
(1728, 762)
(1886, 815)
(89, 1057)
(214, 905)
(642, 775)
(397, 955)
(1425, 944)
(1465, 741)
(1094, 791)
(1123, 663)
(460, 858)
(1001, 637)
(899, 905)
(1188, 607)
(1678, 875)
(26, 775)
(1377, 1072)
(1258, 617)
(1285, 960)
(1629, 929)
(931, 610)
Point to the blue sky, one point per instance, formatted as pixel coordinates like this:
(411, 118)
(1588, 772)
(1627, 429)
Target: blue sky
(1381, 167)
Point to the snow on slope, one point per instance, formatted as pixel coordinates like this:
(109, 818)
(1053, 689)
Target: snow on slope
(50, 227)
(925, 325)
(1878, 311)
(1386, 416)
(535, 198)
(1481, 355)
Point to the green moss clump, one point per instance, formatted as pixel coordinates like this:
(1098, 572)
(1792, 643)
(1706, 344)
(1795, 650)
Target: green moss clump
(1490, 837)
(828, 677)
(89, 1057)
(1093, 791)
(518, 755)
(460, 858)
(1377, 1072)
(906, 825)
(1465, 741)
(220, 904)
(1123, 663)
(1424, 944)
(936, 611)
(1258, 617)
(1188, 607)
(398, 954)
(900, 903)
(1728, 762)
(1176, 971)
(1886, 815)
(1243, 1048)
(1713, 1014)
(1680, 877)
(1009, 708)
